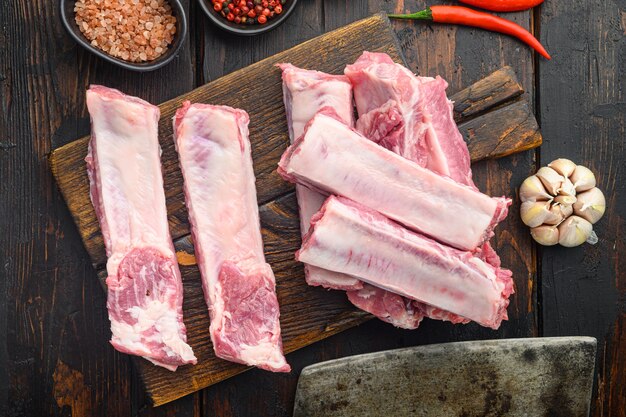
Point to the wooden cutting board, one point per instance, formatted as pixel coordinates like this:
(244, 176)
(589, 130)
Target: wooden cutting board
(492, 114)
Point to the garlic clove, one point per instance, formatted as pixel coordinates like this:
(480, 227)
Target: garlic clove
(557, 215)
(563, 166)
(565, 200)
(551, 179)
(535, 213)
(567, 188)
(545, 235)
(583, 179)
(566, 210)
(575, 231)
(533, 190)
(590, 205)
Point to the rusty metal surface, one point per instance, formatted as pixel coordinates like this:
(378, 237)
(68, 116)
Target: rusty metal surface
(550, 377)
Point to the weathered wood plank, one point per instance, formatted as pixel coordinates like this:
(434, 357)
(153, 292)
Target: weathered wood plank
(499, 87)
(502, 132)
(584, 119)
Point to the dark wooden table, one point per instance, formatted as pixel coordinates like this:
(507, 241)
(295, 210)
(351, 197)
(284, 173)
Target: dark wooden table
(54, 356)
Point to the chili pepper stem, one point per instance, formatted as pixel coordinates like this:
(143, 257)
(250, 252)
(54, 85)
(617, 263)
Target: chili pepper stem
(425, 14)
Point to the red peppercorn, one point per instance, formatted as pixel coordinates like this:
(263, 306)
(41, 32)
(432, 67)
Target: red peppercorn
(248, 12)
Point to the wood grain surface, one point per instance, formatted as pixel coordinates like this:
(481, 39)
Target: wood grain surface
(55, 359)
(307, 314)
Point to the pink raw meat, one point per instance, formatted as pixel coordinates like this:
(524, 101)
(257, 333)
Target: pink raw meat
(389, 307)
(386, 105)
(239, 286)
(423, 128)
(348, 237)
(305, 92)
(332, 157)
(145, 293)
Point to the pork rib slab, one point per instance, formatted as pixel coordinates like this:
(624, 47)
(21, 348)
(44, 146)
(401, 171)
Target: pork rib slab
(305, 92)
(239, 286)
(348, 237)
(145, 291)
(332, 157)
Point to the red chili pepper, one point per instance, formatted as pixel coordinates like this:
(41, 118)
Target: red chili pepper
(503, 5)
(465, 16)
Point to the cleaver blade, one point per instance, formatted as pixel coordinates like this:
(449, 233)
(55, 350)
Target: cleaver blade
(551, 377)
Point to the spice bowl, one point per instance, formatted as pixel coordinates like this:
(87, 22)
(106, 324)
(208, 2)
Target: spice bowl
(243, 29)
(69, 21)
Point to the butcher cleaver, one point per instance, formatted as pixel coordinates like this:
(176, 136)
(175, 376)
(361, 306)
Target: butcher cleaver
(549, 377)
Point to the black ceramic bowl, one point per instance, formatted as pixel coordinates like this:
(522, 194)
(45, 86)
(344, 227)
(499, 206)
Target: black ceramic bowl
(68, 18)
(239, 29)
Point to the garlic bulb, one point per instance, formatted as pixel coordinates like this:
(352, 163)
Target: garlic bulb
(561, 203)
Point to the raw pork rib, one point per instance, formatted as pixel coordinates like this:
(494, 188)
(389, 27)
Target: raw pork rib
(388, 103)
(332, 157)
(305, 92)
(239, 286)
(145, 293)
(348, 237)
